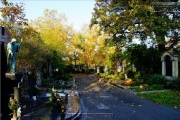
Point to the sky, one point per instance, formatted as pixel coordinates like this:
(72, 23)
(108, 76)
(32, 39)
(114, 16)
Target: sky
(77, 12)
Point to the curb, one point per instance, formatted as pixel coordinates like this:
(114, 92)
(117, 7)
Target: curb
(135, 93)
(152, 91)
(122, 87)
(76, 116)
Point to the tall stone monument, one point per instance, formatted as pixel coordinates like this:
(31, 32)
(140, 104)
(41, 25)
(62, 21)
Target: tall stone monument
(11, 73)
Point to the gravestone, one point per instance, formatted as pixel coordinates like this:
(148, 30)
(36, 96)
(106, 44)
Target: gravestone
(119, 67)
(30, 83)
(98, 69)
(106, 69)
(38, 79)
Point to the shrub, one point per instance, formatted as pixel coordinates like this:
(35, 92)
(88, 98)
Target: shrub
(154, 79)
(55, 99)
(90, 71)
(67, 77)
(13, 104)
(137, 79)
(121, 76)
(138, 82)
(46, 82)
(137, 76)
(130, 73)
(103, 75)
(111, 72)
(176, 83)
(109, 76)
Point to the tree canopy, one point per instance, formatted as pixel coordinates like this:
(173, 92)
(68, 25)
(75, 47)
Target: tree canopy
(116, 16)
(54, 32)
(13, 17)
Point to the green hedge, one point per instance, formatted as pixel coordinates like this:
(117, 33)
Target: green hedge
(154, 79)
(176, 83)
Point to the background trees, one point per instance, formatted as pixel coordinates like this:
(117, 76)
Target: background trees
(93, 51)
(114, 17)
(114, 25)
(13, 17)
(54, 33)
(41, 41)
(144, 20)
(144, 59)
(33, 51)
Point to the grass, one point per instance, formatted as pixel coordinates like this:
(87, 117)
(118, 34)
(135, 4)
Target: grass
(148, 88)
(169, 98)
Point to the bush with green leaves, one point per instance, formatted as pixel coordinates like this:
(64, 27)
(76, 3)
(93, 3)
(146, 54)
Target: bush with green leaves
(176, 83)
(130, 73)
(137, 75)
(109, 76)
(111, 72)
(154, 79)
(67, 77)
(46, 82)
(103, 75)
(121, 76)
(137, 79)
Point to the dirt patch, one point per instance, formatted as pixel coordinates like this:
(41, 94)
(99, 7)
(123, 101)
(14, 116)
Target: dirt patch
(78, 75)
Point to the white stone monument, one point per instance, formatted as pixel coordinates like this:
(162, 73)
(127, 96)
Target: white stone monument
(106, 69)
(98, 69)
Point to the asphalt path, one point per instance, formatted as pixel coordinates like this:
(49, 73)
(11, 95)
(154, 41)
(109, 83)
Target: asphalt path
(102, 101)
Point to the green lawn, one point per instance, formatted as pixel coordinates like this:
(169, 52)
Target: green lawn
(147, 88)
(169, 98)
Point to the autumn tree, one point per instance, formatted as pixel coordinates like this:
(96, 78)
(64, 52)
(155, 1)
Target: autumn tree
(33, 50)
(53, 31)
(13, 17)
(74, 48)
(91, 46)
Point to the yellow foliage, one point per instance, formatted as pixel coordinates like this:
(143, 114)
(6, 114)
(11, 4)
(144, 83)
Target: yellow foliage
(53, 30)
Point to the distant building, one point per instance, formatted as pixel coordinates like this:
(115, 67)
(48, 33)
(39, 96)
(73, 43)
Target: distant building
(4, 36)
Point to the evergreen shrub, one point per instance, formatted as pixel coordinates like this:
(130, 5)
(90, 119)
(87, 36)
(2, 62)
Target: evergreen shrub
(154, 79)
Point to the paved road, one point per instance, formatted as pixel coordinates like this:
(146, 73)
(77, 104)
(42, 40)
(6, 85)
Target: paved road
(102, 101)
